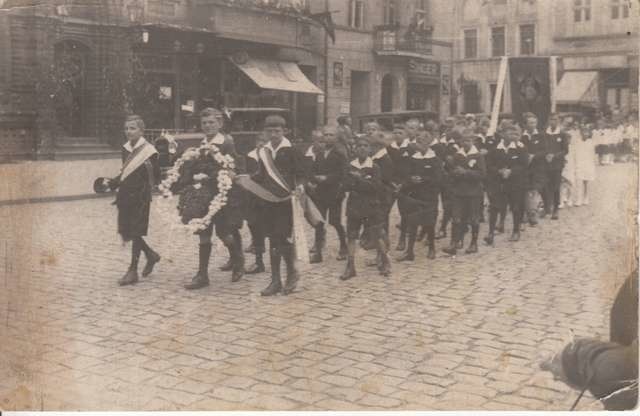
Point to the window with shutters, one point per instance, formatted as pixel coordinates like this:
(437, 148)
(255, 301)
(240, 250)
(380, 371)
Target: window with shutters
(471, 43)
(581, 10)
(356, 14)
(527, 39)
(497, 41)
(619, 9)
(390, 15)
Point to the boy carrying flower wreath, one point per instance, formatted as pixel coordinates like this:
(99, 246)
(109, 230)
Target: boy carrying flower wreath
(203, 179)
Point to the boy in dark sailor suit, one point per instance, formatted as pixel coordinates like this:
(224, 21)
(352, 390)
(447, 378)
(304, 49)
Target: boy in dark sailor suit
(140, 173)
(557, 147)
(467, 175)
(228, 220)
(420, 190)
(507, 180)
(281, 171)
(325, 188)
(252, 164)
(364, 208)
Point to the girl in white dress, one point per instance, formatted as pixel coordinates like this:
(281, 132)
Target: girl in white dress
(585, 164)
(569, 170)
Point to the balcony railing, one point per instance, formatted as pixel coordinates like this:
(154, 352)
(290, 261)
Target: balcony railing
(397, 39)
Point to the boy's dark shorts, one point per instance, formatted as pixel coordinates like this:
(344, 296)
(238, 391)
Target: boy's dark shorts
(466, 209)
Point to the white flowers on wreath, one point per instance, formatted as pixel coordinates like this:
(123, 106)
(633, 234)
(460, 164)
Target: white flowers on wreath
(224, 182)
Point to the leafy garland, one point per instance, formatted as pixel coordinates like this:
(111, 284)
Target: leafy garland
(224, 180)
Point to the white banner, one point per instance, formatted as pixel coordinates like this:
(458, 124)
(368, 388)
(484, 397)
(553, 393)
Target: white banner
(497, 100)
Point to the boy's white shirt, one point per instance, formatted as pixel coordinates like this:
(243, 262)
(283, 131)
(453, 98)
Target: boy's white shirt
(368, 163)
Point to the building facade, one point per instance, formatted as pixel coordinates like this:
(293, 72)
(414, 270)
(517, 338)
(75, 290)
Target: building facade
(586, 35)
(389, 55)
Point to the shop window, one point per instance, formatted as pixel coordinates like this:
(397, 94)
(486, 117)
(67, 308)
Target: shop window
(497, 41)
(619, 9)
(581, 10)
(527, 39)
(471, 43)
(356, 14)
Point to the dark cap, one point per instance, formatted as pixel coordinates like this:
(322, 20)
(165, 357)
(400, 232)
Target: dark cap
(275, 121)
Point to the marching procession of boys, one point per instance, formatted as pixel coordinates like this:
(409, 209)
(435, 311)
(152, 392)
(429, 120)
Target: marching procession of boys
(422, 169)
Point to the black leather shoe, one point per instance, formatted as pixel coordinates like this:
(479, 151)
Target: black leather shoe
(349, 271)
(199, 281)
(554, 216)
(407, 256)
(489, 240)
(473, 248)
(129, 278)
(274, 287)
(451, 250)
(151, 261)
(315, 258)
(291, 283)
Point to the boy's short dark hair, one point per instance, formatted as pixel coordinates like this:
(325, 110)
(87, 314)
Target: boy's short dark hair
(209, 112)
(275, 121)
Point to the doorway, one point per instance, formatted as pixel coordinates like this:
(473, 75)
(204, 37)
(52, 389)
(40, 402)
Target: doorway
(70, 72)
(386, 94)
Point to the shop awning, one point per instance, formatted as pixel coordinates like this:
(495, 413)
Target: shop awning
(277, 75)
(577, 87)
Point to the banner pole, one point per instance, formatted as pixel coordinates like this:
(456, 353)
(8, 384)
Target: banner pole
(553, 77)
(497, 99)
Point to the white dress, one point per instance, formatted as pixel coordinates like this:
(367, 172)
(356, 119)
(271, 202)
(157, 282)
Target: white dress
(569, 170)
(585, 159)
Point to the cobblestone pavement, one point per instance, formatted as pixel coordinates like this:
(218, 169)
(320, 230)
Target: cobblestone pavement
(452, 333)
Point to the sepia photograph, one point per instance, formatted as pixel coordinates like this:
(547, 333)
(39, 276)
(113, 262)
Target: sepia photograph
(319, 205)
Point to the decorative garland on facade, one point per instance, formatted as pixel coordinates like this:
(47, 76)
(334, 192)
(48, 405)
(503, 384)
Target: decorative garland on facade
(224, 181)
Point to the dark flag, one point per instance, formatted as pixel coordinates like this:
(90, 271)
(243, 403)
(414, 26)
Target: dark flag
(530, 87)
(326, 21)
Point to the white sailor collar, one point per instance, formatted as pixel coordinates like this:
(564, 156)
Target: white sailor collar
(532, 134)
(368, 163)
(380, 154)
(429, 154)
(218, 139)
(553, 132)
(443, 139)
(283, 143)
(404, 143)
(501, 145)
(472, 151)
(481, 137)
(310, 153)
(253, 154)
(141, 141)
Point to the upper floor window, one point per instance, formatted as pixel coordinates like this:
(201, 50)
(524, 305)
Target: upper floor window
(619, 9)
(421, 13)
(497, 41)
(356, 14)
(581, 10)
(527, 39)
(390, 12)
(470, 43)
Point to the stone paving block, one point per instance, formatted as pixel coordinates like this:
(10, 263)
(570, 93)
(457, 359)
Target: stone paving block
(337, 380)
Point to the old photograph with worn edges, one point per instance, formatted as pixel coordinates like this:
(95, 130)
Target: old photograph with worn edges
(319, 205)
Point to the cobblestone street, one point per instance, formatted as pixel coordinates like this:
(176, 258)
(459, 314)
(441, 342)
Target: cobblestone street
(453, 333)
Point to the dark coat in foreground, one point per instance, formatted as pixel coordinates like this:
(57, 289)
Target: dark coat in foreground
(133, 197)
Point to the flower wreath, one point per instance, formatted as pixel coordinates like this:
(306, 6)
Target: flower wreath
(223, 179)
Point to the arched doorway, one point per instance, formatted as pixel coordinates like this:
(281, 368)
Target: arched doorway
(70, 76)
(386, 94)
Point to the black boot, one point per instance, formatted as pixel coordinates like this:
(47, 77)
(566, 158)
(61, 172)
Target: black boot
(276, 285)
(453, 243)
(201, 279)
(409, 254)
(292, 274)
(152, 259)
(385, 267)
(489, 239)
(473, 246)
(258, 266)
(350, 269)
(129, 278)
(237, 257)
(402, 243)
